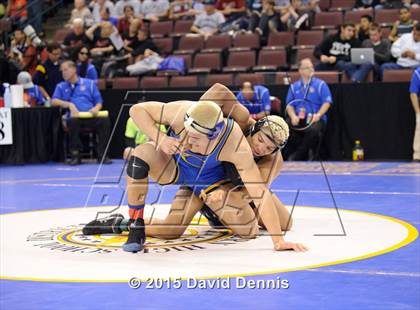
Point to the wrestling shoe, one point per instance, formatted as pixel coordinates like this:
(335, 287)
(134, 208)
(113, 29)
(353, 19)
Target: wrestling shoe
(212, 217)
(136, 237)
(106, 225)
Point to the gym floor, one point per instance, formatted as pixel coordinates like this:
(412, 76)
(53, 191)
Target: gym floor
(359, 220)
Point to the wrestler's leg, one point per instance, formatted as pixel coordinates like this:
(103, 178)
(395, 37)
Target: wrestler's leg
(235, 213)
(184, 206)
(146, 160)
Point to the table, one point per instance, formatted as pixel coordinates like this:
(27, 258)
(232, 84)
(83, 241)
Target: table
(37, 136)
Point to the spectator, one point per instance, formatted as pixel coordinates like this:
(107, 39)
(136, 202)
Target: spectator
(75, 38)
(295, 16)
(81, 11)
(18, 43)
(100, 5)
(381, 47)
(121, 4)
(145, 55)
(23, 54)
(99, 36)
(414, 96)
(181, 9)
(84, 68)
(106, 17)
(16, 10)
(366, 4)
(394, 4)
(134, 137)
(124, 22)
(130, 36)
(402, 26)
(362, 29)
(407, 51)
(256, 99)
(139, 46)
(33, 94)
(155, 10)
(302, 142)
(233, 10)
(81, 95)
(334, 54)
(208, 22)
(267, 21)
(48, 74)
(102, 46)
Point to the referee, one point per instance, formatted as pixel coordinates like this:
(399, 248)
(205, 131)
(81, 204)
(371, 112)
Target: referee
(302, 142)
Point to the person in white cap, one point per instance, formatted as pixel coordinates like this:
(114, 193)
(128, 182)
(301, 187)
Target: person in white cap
(33, 94)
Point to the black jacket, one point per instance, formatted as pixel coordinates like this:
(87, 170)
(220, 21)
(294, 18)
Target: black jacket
(334, 46)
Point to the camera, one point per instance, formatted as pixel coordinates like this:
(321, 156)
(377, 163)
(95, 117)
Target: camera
(30, 32)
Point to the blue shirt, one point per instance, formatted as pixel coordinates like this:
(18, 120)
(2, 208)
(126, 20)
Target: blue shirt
(259, 103)
(84, 94)
(91, 72)
(36, 94)
(415, 82)
(319, 93)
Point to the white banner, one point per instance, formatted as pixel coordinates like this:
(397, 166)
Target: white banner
(6, 134)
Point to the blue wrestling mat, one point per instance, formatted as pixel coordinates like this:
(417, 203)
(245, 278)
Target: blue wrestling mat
(363, 254)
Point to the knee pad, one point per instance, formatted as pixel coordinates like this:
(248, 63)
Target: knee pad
(137, 168)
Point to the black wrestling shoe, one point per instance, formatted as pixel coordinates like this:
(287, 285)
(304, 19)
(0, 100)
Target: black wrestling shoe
(212, 218)
(136, 237)
(107, 225)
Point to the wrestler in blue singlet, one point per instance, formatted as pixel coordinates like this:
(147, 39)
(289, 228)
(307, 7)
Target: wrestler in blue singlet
(201, 171)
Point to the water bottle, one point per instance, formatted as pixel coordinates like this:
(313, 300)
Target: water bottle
(7, 95)
(358, 152)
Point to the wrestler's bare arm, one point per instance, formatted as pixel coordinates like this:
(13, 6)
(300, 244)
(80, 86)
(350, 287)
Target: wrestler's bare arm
(270, 166)
(146, 114)
(238, 152)
(230, 106)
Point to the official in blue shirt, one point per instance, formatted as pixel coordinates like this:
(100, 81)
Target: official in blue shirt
(84, 68)
(81, 95)
(304, 144)
(256, 99)
(33, 94)
(414, 96)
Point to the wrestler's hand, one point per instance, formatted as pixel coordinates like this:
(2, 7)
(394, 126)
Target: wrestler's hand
(216, 196)
(170, 145)
(283, 245)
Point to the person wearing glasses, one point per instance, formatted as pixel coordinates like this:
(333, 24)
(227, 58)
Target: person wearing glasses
(84, 68)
